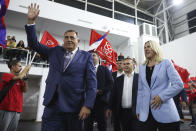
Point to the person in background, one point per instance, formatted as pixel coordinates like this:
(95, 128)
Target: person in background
(11, 53)
(181, 102)
(11, 105)
(71, 84)
(104, 86)
(192, 103)
(20, 45)
(123, 98)
(158, 83)
(12, 42)
(109, 112)
(21, 53)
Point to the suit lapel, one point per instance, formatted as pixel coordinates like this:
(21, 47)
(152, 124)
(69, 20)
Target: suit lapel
(154, 74)
(76, 57)
(121, 85)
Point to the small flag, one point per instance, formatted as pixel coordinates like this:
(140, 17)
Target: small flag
(48, 40)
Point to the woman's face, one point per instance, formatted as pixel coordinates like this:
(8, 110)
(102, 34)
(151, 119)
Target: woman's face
(149, 53)
(21, 42)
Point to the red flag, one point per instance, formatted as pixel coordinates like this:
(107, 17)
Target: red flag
(94, 37)
(48, 40)
(105, 50)
(184, 74)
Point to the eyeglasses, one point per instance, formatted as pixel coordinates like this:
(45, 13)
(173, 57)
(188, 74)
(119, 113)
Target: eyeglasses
(70, 37)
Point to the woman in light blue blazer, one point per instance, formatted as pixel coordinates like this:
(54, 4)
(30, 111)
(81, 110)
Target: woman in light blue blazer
(158, 83)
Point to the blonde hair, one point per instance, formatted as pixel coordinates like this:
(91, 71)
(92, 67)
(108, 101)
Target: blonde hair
(158, 52)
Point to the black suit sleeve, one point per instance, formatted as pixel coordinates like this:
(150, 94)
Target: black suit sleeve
(108, 82)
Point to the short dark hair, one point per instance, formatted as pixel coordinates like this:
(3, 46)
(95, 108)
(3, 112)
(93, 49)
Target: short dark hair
(12, 63)
(128, 59)
(71, 31)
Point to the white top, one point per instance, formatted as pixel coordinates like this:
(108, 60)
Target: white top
(96, 67)
(119, 74)
(127, 91)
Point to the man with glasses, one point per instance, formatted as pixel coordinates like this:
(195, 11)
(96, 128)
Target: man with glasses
(71, 83)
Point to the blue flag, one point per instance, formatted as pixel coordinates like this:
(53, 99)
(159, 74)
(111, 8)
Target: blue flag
(3, 9)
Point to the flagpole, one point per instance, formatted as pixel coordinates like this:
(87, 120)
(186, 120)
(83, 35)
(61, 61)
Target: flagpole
(32, 58)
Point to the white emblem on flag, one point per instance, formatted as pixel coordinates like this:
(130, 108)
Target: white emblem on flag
(49, 43)
(107, 49)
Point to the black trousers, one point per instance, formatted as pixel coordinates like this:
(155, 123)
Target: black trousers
(128, 120)
(98, 115)
(152, 125)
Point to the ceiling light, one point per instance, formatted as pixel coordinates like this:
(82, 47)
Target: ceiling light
(177, 2)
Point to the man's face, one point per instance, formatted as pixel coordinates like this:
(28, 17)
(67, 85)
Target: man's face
(120, 65)
(128, 65)
(17, 68)
(71, 41)
(95, 58)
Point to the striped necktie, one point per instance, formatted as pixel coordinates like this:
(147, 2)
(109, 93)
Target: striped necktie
(67, 59)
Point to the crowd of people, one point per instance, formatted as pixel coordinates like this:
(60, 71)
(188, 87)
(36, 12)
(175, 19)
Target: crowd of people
(80, 91)
(19, 51)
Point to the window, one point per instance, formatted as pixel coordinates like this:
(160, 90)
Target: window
(124, 18)
(100, 11)
(191, 16)
(103, 3)
(72, 3)
(144, 16)
(124, 9)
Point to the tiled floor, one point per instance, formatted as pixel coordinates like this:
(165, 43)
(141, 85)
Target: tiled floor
(36, 126)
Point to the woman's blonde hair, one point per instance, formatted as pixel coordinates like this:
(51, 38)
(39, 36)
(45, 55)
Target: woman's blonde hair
(158, 52)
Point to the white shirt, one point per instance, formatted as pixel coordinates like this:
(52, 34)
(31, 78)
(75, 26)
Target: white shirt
(127, 91)
(119, 74)
(96, 67)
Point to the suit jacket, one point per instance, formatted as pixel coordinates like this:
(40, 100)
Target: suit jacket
(104, 84)
(76, 85)
(116, 97)
(166, 83)
(114, 75)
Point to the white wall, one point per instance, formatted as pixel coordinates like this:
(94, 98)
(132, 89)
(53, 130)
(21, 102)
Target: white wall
(183, 52)
(179, 14)
(58, 12)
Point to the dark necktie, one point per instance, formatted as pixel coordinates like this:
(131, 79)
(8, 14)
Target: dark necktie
(67, 59)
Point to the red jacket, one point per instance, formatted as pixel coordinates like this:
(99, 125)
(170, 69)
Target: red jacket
(13, 101)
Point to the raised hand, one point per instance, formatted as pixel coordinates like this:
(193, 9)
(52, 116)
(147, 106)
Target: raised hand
(33, 12)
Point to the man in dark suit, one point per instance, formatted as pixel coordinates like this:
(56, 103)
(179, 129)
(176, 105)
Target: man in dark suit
(104, 86)
(119, 63)
(119, 72)
(124, 95)
(71, 83)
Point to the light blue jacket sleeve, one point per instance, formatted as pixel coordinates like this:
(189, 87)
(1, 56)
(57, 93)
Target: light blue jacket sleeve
(175, 83)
